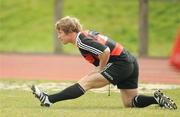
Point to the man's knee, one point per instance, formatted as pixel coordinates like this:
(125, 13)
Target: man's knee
(85, 84)
(128, 103)
(95, 80)
(128, 96)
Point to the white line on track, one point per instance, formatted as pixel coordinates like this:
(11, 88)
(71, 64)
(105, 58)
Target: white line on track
(56, 87)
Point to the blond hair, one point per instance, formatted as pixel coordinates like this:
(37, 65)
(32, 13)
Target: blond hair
(69, 24)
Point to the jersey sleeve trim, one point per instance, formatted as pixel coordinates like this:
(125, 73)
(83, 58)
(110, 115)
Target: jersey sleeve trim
(87, 47)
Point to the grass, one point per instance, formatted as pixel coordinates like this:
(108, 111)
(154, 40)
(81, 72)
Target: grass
(21, 103)
(27, 25)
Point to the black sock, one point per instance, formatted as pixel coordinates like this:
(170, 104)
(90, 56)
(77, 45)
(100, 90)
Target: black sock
(71, 92)
(143, 101)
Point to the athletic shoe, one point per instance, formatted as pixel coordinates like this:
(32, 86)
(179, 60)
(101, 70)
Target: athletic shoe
(164, 101)
(42, 96)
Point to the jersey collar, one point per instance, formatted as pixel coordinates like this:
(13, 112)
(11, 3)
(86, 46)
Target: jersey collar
(77, 37)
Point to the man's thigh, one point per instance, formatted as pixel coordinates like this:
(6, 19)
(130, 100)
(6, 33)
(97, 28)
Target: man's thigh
(94, 80)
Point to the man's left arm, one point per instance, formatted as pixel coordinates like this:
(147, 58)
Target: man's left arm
(104, 58)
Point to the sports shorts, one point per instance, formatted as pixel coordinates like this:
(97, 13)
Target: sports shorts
(122, 73)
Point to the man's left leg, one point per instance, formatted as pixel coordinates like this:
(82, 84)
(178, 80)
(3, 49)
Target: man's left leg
(131, 98)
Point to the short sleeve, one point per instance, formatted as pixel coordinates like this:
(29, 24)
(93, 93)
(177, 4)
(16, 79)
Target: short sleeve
(91, 45)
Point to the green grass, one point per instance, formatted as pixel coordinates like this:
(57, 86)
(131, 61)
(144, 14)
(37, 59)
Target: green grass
(19, 103)
(27, 25)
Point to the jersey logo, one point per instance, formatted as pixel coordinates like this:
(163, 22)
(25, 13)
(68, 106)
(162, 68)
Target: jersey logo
(100, 38)
(108, 75)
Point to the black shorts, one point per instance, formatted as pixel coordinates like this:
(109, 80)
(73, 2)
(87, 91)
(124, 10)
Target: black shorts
(122, 73)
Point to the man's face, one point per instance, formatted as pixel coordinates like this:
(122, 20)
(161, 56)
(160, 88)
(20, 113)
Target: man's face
(63, 37)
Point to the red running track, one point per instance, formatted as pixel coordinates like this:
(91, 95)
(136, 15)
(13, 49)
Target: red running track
(62, 67)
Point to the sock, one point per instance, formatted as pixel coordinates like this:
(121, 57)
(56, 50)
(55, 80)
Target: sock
(71, 92)
(143, 101)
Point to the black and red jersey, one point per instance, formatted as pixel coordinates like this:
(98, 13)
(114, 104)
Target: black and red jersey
(91, 44)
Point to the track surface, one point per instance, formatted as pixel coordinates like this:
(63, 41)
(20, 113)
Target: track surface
(62, 67)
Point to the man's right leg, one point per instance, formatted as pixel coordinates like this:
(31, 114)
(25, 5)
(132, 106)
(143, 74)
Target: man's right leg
(71, 92)
(95, 80)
